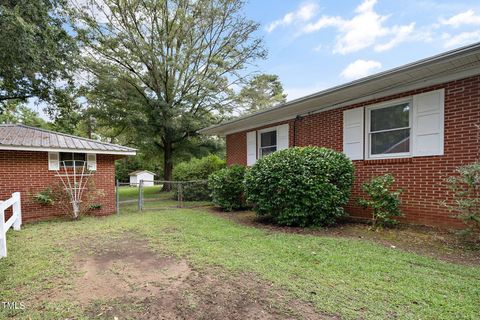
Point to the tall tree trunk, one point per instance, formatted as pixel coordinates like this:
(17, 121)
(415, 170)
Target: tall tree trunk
(167, 165)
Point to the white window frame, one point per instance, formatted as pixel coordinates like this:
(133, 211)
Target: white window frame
(368, 133)
(72, 153)
(259, 140)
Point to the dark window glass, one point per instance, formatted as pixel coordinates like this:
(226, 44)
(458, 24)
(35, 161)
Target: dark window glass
(268, 139)
(66, 156)
(395, 141)
(69, 157)
(390, 117)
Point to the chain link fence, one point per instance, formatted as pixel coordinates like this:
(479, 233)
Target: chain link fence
(161, 195)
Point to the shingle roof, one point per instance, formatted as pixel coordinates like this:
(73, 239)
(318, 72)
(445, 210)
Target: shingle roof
(22, 137)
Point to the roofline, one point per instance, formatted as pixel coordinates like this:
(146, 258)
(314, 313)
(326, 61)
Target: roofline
(139, 171)
(65, 135)
(40, 149)
(422, 62)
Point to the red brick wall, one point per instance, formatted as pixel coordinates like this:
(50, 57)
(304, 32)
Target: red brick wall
(27, 172)
(422, 178)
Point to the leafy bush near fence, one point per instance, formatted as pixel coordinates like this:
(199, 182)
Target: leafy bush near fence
(300, 186)
(228, 190)
(465, 186)
(197, 169)
(384, 202)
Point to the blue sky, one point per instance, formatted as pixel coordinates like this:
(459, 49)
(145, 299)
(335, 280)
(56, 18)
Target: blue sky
(317, 44)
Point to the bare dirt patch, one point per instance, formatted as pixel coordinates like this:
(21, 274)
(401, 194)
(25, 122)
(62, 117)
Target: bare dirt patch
(126, 268)
(437, 243)
(125, 279)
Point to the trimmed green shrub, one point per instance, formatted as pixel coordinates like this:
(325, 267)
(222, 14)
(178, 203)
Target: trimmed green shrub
(301, 186)
(466, 196)
(228, 190)
(384, 202)
(197, 169)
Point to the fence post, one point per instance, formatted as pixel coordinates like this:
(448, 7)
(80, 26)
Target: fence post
(3, 237)
(117, 197)
(140, 195)
(17, 211)
(180, 195)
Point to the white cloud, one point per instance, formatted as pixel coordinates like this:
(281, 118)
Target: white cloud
(402, 33)
(461, 39)
(304, 13)
(364, 30)
(323, 22)
(360, 68)
(465, 18)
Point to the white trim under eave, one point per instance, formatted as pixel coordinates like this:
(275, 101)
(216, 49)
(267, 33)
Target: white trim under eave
(37, 149)
(414, 85)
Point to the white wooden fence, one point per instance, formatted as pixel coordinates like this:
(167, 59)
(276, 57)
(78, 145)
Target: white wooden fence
(15, 220)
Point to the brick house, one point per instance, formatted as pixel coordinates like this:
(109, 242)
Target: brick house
(30, 158)
(418, 122)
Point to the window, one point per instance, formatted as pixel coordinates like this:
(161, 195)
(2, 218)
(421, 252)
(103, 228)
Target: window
(268, 143)
(389, 130)
(70, 157)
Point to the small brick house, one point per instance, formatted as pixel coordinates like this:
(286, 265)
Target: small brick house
(30, 158)
(418, 122)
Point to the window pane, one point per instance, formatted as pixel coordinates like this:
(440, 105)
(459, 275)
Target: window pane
(389, 117)
(390, 142)
(268, 150)
(79, 156)
(68, 157)
(268, 139)
(64, 156)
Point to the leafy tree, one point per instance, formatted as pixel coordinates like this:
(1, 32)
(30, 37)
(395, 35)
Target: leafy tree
(66, 113)
(164, 69)
(263, 91)
(34, 49)
(125, 166)
(15, 112)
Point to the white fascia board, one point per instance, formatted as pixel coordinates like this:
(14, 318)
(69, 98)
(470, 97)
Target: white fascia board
(15, 148)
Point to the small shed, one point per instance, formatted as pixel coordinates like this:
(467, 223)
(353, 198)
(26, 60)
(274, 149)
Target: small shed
(145, 175)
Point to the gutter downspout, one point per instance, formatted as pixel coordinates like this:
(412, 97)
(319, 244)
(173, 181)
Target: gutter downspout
(297, 118)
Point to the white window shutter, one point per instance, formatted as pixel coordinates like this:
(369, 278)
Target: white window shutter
(91, 161)
(353, 137)
(251, 148)
(53, 161)
(282, 137)
(428, 123)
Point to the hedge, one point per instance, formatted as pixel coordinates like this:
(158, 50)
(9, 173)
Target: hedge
(197, 169)
(227, 186)
(300, 186)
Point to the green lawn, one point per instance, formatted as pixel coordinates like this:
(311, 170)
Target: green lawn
(130, 193)
(345, 277)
